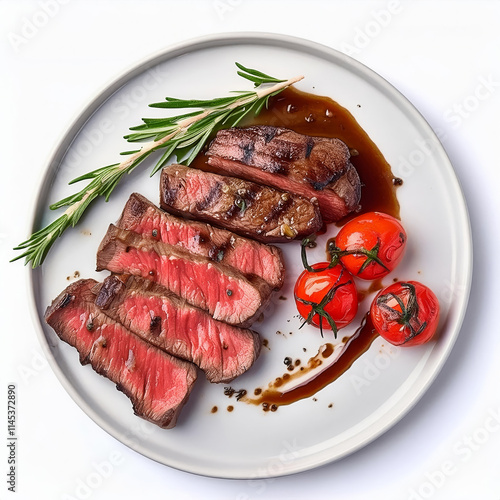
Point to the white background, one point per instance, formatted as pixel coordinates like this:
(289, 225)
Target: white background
(443, 55)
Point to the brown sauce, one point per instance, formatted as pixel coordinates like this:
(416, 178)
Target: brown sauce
(374, 286)
(272, 397)
(320, 116)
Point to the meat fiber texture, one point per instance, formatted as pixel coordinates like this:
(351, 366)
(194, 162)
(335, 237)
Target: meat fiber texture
(219, 289)
(314, 167)
(246, 255)
(157, 383)
(158, 316)
(253, 210)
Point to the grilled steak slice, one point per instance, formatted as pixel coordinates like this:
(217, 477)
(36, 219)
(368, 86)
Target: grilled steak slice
(219, 289)
(246, 255)
(157, 384)
(261, 212)
(310, 166)
(222, 351)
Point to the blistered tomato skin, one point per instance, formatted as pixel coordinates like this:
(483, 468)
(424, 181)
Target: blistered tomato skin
(378, 241)
(312, 287)
(405, 313)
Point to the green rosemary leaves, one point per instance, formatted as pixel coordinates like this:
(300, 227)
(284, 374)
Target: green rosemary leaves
(183, 135)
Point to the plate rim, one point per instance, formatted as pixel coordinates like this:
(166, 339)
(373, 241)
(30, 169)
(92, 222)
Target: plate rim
(192, 45)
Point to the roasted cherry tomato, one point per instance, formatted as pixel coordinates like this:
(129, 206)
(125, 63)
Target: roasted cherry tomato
(326, 296)
(405, 313)
(370, 245)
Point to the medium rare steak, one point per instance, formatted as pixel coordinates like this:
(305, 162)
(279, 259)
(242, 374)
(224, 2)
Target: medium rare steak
(261, 212)
(222, 351)
(214, 287)
(246, 255)
(157, 384)
(317, 167)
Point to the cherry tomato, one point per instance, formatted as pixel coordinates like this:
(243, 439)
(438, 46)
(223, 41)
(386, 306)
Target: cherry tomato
(326, 297)
(370, 245)
(405, 313)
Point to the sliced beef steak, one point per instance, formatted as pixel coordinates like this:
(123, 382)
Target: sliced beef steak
(157, 384)
(214, 287)
(310, 166)
(222, 351)
(246, 255)
(261, 212)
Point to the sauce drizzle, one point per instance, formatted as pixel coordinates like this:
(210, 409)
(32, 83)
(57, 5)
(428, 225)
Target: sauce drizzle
(321, 116)
(359, 344)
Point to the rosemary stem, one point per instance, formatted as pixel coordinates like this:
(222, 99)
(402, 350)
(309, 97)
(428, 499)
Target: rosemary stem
(179, 136)
(183, 125)
(146, 148)
(279, 86)
(75, 206)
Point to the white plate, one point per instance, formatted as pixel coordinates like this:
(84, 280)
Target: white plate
(382, 385)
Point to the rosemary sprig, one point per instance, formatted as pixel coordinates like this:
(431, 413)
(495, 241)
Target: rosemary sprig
(183, 135)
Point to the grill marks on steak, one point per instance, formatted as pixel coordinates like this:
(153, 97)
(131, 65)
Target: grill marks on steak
(157, 384)
(261, 212)
(178, 277)
(219, 289)
(248, 256)
(222, 351)
(309, 166)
